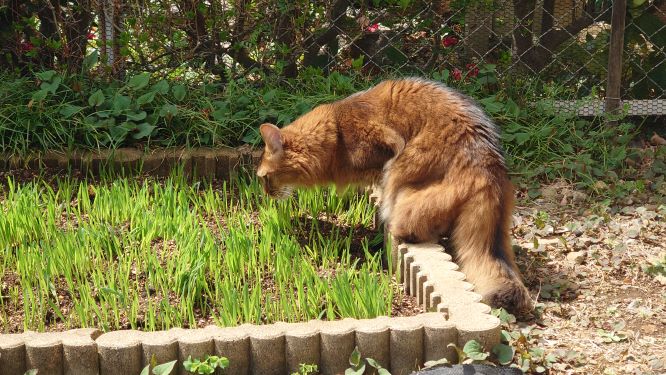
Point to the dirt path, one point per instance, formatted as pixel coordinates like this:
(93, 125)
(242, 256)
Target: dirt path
(600, 311)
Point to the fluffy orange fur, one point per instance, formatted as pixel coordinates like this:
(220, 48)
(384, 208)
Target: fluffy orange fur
(438, 160)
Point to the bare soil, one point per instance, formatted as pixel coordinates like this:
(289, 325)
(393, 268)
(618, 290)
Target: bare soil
(584, 263)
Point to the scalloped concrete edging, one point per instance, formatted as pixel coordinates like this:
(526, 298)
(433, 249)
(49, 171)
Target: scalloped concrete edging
(400, 344)
(221, 162)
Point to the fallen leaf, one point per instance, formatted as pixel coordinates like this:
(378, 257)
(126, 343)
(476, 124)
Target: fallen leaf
(657, 140)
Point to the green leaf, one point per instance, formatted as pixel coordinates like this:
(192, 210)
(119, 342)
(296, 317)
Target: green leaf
(355, 358)
(512, 108)
(118, 133)
(168, 110)
(40, 95)
(178, 92)
(146, 370)
(51, 86)
(504, 353)
(505, 336)
(139, 81)
(136, 116)
(31, 372)
(373, 363)
(46, 76)
(521, 138)
(165, 368)
(146, 98)
(358, 371)
(395, 55)
(491, 104)
(69, 110)
(358, 62)
(504, 316)
(189, 364)
(161, 87)
(90, 60)
(96, 99)
(205, 368)
(268, 97)
(121, 103)
(143, 130)
(474, 351)
(223, 362)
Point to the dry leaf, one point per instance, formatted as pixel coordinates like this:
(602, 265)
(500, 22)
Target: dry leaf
(657, 140)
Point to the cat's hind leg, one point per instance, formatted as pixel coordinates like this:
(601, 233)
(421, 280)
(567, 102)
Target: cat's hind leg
(423, 214)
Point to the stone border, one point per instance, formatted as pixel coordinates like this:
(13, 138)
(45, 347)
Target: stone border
(220, 162)
(400, 344)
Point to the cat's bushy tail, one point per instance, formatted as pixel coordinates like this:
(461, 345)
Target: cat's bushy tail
(483, 246)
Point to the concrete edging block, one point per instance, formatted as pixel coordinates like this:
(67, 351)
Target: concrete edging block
(234, 344)
(120, 352)
(195, 343)
(373, 339)
(303, 345)
(267, 350)
(406, 343)
(161, 345)
(44, 353)
(12, 353)
(338, 340)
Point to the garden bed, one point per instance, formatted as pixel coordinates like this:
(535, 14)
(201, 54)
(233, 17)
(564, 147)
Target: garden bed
(152, 254)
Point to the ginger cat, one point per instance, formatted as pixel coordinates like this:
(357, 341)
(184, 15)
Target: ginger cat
(438, 160)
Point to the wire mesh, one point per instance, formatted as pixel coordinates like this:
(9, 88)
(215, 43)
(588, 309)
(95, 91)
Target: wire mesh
(565, 42)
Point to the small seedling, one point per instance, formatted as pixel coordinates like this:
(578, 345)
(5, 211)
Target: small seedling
(611, 336)
(472, 352)
(541, 219)
(358, 364)
(306, 369)
(207, 366)
(656, 267)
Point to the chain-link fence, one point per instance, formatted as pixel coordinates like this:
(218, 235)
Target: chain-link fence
(566, 42)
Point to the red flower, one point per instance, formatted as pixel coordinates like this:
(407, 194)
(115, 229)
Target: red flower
(472, 70)
(457, 74)
(26, 47)
(91, 36)
(450, 41)
(372, 28)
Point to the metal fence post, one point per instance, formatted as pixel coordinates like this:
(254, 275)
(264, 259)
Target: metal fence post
(614, 84)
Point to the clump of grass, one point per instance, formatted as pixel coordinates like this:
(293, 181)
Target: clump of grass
(151, 255)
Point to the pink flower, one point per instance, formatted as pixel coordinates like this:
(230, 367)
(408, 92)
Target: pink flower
(372, 28)
(472, 70)
(457, 74)
(450, 41)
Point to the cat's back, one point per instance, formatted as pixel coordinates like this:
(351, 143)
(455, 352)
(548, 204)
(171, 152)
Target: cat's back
(429, 114)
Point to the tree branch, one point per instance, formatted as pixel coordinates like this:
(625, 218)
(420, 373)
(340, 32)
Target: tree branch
(336, 19)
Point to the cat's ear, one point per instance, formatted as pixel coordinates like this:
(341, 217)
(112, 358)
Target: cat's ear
(272, 138)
